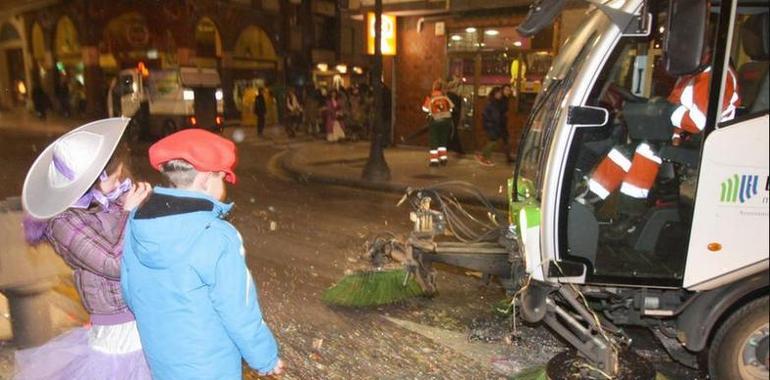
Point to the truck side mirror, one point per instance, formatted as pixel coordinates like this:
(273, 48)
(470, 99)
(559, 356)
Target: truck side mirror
(587, 116)
(541, 14)
(684, 43)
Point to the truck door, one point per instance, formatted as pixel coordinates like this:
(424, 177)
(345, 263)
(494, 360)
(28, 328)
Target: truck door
(205, 106)
(729, 237)
(629, 184)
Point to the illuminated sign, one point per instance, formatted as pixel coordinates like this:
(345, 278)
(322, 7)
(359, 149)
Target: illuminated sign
(388, 32)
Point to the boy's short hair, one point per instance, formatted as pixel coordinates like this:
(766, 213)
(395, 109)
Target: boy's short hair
(179, 173)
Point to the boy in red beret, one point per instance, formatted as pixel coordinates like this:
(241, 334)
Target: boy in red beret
(184, 273)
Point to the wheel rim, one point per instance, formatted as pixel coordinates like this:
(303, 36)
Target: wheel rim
(753, 362)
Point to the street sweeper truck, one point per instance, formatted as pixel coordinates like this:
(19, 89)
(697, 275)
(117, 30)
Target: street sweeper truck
(641, 187)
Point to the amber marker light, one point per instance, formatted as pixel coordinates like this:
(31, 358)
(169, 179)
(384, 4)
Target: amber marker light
(714, 247)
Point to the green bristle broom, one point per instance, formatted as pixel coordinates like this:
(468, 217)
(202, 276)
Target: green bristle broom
(535, 373)
(373, 288)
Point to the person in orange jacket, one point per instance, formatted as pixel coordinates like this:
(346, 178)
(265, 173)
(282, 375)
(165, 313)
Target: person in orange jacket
(633, 172)
(439, 108)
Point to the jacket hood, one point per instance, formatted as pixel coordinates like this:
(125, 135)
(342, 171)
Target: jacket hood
(169, 223)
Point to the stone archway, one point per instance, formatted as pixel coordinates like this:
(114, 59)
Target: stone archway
(67, 43)
(39, 55)
(125, 39)
(8, 33)
(208, 43)
(253, 44)
(129, 38)
(254, 64)
(69, 82)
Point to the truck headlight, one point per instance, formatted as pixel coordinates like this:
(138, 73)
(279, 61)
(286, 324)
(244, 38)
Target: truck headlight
(218, 95)
(188, 94)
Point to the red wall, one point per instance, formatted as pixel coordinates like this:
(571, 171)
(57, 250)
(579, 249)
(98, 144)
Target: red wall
(421, 59)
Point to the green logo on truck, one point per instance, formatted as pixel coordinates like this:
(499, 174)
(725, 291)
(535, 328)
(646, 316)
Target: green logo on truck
(739, 188)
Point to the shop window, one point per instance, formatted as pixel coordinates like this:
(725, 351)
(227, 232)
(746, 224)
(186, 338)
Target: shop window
(486, 39)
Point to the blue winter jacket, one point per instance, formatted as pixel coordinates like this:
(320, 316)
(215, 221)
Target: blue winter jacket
(184, 276)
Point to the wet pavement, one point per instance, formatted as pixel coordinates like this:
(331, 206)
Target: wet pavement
(300, 237)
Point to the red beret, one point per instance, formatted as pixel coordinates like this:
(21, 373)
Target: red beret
(205, 151)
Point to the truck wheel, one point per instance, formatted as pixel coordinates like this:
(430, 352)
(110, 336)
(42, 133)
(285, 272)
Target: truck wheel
(169, 127)
(740, 347)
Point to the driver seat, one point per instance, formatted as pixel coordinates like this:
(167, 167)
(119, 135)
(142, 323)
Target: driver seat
(753, 75)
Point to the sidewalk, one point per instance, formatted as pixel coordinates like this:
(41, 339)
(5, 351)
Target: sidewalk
(19, 119)
(274, 135)
(343, 163)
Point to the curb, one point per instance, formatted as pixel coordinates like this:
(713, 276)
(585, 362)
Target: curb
(302, 175)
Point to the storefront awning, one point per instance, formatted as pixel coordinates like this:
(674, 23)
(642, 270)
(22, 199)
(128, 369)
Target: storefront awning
(195, 77)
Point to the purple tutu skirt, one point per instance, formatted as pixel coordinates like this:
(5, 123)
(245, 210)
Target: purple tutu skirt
(70, 356)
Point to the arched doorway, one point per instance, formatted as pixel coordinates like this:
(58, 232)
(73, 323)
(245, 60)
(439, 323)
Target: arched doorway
(128, 39)
(253, 44)
(255, 64)
(208, 44)
(12, 70)
(125, 40)
(69, 85)
(38, 55)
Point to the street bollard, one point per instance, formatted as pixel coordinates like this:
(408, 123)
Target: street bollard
(27, 274)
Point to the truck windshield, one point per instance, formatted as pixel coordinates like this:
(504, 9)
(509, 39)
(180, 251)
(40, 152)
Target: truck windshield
(548, 107)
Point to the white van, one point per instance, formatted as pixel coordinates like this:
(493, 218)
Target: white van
(162, 101)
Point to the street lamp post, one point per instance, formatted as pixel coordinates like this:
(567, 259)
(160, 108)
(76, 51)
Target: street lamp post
(376, 169)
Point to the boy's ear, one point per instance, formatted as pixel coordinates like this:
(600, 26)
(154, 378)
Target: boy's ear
(201, 178)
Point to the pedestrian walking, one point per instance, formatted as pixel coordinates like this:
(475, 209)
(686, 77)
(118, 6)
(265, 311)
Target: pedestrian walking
(439, 108)
(194, 298)
(335, 127)
(312, 114)
(40, 101)
(359, 114)
(63, 94)
(455, 144)
(77, 196)
(494, 125)
(260, 109)
(293, 113)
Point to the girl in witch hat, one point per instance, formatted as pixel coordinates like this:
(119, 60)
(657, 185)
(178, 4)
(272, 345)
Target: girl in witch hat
(77, 196)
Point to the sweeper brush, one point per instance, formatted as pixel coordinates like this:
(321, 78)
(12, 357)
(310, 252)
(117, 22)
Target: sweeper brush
(401, 266)
(373, 288)
(387, 280)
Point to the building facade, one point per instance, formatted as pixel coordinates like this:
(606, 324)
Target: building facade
(471, 42)
(73, 49)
